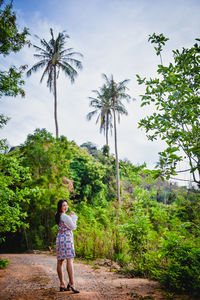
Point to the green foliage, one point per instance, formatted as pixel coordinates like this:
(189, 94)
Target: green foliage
(163, 239)
(91, 148)
(11, 82)
(175, 96)
(98, 235)
(87, 175)
(13, 176)
(55, 164)
(3, 120)
(106, 150)
(182, 264)
(13, 193)
(136, 231)
(11, 40)
(147, 235)
(3, 263)
(47, 159)
(159, 40)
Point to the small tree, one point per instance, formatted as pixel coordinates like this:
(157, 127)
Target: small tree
(175, 94)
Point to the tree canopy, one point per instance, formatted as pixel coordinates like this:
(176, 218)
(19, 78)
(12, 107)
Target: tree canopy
(175, 95)
(11, 40)
(12, 173)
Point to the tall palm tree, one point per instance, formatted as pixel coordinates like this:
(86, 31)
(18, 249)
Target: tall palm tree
(117, 92)
(109, 104)
(54, 57)
(102, 105)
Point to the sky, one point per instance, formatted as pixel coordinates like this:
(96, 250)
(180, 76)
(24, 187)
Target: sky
(112, 35)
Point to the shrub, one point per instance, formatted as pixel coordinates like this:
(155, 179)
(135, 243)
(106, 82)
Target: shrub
(182, 264)
(3, 263)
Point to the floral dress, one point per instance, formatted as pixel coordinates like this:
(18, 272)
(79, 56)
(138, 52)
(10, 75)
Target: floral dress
(65, 239)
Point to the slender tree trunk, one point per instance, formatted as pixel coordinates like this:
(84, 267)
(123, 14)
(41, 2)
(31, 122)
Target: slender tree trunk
(55, 102)
(116, 152)
(161, 60)
(107, 130)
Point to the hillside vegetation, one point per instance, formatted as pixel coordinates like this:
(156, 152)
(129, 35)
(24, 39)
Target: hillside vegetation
(153, 232)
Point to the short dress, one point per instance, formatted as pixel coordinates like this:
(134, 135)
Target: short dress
(65, 239)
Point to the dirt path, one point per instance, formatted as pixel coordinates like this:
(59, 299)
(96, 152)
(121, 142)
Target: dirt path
(33, 276)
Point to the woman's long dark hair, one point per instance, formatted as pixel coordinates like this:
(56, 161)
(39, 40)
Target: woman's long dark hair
(59, 210)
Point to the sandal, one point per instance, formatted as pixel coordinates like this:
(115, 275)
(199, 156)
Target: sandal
(73, 290)
(65, 289)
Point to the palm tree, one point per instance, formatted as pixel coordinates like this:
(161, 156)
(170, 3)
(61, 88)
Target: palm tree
(109, 102)
(54, 57)
(102, 105)
(117, 92)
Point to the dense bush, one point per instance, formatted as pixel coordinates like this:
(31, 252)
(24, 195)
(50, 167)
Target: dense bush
(181, 265)
(3, 263)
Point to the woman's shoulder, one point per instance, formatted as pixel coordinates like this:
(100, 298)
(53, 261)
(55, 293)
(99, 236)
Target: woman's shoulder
(67, 218)
(64, 217)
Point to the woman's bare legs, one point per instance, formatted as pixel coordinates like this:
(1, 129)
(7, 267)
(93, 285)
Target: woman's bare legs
(60, 272)
(70, 270)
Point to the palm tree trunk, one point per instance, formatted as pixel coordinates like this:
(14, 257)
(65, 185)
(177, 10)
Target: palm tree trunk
(55, 102)
(106, 129)
(116, 153)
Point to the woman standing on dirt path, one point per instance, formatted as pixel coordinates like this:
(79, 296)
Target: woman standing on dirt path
(65, 244)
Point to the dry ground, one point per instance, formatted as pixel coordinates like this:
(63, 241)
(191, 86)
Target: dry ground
(34, 277)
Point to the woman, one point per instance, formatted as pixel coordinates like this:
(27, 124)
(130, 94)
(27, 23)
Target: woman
(65, 244)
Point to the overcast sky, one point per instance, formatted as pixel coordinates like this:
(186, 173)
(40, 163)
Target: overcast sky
(113, 37)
